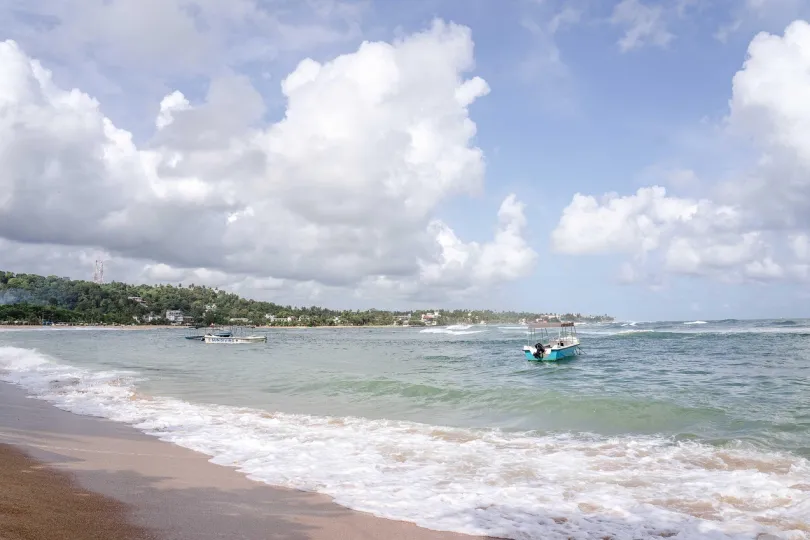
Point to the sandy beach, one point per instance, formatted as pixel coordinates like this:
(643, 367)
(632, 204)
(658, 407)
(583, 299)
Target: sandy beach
(38, 502)
(135, 486)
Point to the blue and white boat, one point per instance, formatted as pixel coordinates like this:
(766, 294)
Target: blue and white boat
(541, 346)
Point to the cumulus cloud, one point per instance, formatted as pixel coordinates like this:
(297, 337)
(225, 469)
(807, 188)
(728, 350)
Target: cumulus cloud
(341, 192)
(129, 53)
(755, 226)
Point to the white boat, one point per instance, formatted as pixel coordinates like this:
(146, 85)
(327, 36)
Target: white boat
(233, 338)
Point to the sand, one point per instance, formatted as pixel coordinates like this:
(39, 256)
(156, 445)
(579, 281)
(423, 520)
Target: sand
(38, 503)
(140, 484)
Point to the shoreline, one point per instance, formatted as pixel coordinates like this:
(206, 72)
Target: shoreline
(174, 492)
(188, 328)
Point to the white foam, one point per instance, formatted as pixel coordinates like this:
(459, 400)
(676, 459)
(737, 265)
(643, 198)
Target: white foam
(454, 330)
(695, 322)
(513, 485)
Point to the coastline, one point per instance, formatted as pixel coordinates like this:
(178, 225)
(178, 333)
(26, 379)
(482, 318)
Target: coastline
(175, 492)
(176, 327)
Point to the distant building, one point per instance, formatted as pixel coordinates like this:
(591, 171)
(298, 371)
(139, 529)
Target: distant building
(174, 316)
(431, 319)
(137, 300)
(274, 319)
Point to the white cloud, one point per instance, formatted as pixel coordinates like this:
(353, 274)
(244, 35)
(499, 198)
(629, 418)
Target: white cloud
(643, 24)
(506, 258)
(341, 192)
(175, 37)
(800, 244)
(754, 227)
(769, 100)
(129, 53)
(620, 224)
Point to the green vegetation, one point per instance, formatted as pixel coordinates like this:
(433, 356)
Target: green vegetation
(33, 299)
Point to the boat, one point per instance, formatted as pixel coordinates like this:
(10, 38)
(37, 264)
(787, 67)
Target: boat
(541, 346)
(234, 338)
(201, 337)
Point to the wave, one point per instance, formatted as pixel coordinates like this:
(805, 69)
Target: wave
(695, 322)
(696, 330)
(455, 330)
(480, 482)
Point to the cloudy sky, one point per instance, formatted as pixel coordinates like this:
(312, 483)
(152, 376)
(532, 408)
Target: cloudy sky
(644, 158)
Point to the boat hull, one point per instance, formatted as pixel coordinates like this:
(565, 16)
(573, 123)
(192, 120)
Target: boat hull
(554, 354)
(235, 340)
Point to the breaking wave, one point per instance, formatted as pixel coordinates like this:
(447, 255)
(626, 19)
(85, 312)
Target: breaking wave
(485, 482)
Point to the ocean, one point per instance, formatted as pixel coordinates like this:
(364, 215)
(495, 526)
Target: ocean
(660, 429)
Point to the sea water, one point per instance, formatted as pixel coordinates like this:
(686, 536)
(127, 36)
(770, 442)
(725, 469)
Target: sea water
(679, 429)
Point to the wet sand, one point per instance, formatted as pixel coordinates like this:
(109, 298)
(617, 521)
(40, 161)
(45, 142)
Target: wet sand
(38, 503)
(159, 488)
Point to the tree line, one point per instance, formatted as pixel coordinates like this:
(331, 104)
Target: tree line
(35, 299)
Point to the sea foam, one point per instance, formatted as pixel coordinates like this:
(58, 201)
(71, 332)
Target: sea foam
(453, 330)
(485, 482)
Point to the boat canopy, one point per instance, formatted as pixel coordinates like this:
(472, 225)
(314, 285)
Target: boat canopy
(549, 324)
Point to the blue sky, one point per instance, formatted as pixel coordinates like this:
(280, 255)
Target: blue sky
(622, 113)
(569, 110)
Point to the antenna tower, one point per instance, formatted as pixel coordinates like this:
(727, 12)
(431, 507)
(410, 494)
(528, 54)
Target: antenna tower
(98, 274)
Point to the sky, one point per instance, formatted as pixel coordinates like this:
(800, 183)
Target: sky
(646, 159)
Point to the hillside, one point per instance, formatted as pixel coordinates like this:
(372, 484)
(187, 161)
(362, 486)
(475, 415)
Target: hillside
(32, 299)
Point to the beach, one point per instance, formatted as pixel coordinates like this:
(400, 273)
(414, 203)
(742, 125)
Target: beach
(82, 477)
(698, 430)
(39, 502)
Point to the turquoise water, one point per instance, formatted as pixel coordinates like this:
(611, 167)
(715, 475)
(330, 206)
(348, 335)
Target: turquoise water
(723, 405)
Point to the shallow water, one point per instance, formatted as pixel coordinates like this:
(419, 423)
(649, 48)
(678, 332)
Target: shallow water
(682, 429)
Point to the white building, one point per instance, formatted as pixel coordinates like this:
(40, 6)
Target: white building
(404, 320)
(273, 319)
(174, 316)
(431, 319)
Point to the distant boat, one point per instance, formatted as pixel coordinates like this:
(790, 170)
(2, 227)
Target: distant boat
(201, 337)
(233, 339)
(542, 347)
